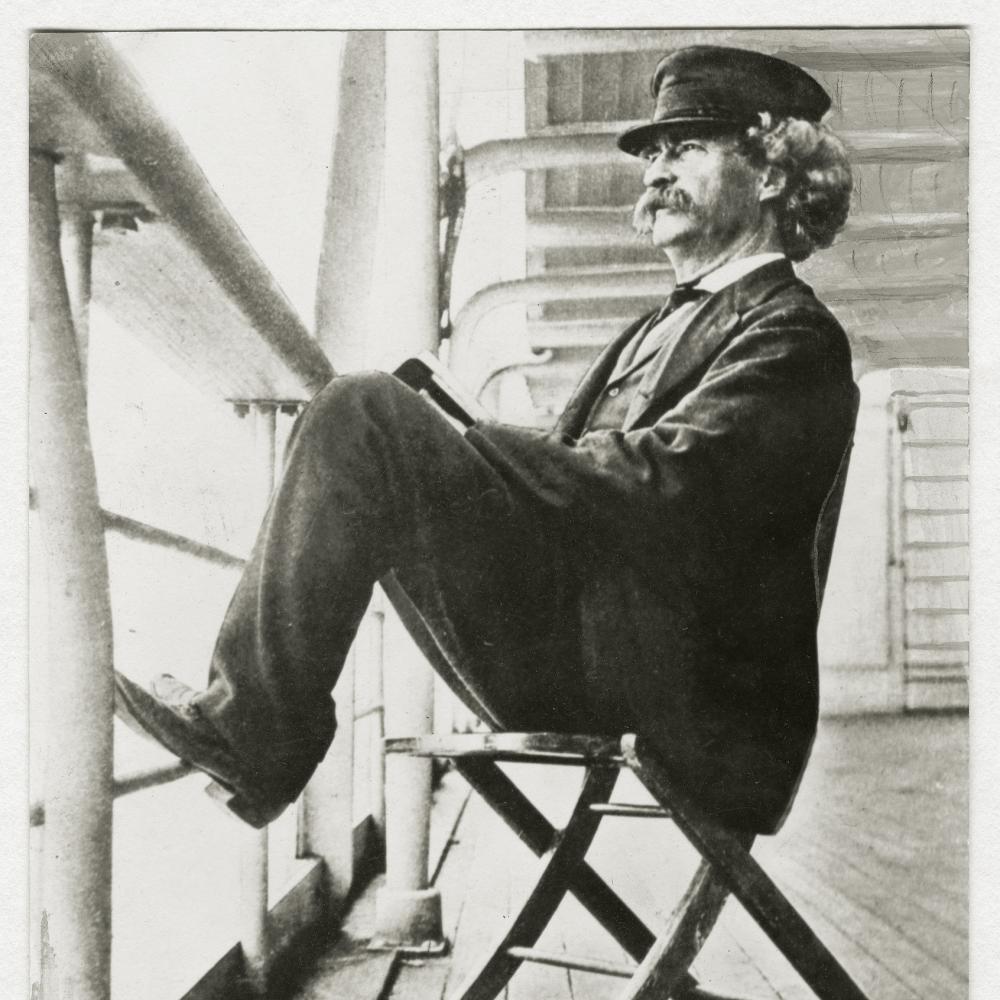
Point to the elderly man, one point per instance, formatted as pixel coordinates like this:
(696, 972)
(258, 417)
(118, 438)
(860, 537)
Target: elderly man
(654, 564)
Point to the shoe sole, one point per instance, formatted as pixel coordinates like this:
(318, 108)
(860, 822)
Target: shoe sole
(254, 814)
(210, 760)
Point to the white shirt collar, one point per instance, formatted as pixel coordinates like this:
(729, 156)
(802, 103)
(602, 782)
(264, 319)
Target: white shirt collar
(733, 270)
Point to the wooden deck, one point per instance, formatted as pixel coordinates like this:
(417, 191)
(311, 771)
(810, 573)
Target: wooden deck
(874, 855)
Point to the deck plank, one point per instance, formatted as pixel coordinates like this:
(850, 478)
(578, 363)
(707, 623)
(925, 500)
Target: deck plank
(895, 900)
(861, 940)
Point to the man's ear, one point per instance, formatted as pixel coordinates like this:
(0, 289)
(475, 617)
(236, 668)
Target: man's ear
(772, 183)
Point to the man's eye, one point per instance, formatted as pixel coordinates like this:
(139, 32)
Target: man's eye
(687, 147)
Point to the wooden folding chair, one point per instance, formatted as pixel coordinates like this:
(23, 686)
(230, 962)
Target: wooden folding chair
(662, 962)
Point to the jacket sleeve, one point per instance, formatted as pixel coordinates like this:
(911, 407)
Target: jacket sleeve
(757, 438)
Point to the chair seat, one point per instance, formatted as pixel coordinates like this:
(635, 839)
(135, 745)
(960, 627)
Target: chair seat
(533, 748)
(662, 962)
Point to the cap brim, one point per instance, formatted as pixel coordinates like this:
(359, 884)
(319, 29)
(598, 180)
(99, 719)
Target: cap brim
(634, 140)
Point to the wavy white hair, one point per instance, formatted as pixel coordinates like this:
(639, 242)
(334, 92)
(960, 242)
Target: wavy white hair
(814, 204)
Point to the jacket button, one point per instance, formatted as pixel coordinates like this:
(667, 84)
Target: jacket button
(612, 392)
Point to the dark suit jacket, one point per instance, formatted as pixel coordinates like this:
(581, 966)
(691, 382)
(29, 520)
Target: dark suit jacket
(703, 529)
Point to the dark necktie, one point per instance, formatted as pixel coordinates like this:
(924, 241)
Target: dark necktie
(684, 292)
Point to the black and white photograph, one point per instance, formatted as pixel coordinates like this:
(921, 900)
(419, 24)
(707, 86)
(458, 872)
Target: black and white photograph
(498, 509)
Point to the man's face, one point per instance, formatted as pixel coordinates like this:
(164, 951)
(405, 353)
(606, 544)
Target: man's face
(702, 195)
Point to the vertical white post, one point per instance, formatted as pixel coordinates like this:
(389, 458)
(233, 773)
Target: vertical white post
(253, 906)
(265, 422)
(412, 167)
(897, 557)
(348, 252)
(253, 843)
(408, 912)
(326, 810)
(78, 767)
(376, 752)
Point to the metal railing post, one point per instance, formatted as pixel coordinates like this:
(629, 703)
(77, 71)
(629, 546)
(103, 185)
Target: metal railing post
(408, 911)
(254, 936)
(78, 767)
(376, 751)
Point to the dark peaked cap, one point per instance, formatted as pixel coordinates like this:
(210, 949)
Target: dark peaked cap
(711, 84)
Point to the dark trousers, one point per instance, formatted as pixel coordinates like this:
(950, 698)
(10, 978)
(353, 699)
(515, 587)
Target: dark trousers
(377, 480)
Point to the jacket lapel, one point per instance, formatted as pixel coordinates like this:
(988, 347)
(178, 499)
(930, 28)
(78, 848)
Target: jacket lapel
(642, 356)
(709, 328)
(575, 414)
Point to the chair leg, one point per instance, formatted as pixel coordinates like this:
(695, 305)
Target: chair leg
(521, 815)
(566, 852)
(737, 869)
(662, 973)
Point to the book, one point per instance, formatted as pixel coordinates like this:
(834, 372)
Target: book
(426, 374)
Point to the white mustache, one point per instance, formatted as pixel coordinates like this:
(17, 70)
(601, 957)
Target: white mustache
(654, 199)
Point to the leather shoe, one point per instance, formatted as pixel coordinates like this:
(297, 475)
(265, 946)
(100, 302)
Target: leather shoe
(170, 717)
